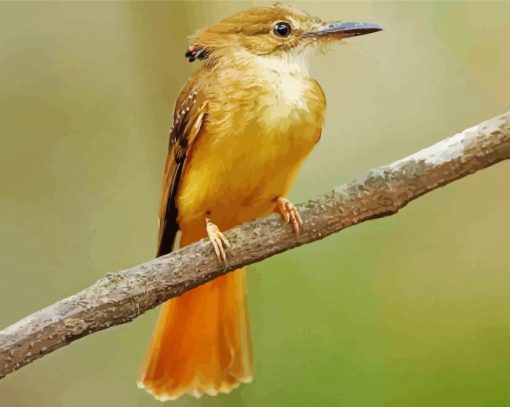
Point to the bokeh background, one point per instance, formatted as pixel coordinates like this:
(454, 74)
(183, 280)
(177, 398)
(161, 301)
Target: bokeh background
(409, 310)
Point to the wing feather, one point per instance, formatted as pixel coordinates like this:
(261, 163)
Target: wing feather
(189, 119)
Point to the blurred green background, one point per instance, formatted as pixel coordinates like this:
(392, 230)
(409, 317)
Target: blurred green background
(409, 310)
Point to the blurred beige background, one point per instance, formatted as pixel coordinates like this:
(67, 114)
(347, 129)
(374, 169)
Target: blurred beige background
(409, 310)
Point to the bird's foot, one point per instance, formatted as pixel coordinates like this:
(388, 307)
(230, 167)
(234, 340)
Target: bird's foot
(218, 240)
(289, 213)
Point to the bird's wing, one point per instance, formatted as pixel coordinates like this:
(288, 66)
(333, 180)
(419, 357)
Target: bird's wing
(189, 119)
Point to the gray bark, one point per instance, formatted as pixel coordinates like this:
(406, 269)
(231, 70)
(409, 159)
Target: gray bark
(122, 296)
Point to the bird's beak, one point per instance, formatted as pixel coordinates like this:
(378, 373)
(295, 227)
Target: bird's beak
(341, 29)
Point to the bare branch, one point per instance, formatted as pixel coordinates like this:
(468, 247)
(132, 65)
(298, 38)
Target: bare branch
(120, 297)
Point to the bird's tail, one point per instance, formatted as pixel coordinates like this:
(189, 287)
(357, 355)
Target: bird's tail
(201, 343)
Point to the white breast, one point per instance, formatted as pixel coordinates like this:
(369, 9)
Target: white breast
(287, 74)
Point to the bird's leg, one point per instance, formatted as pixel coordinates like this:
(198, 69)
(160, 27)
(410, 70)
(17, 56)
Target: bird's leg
(289, 213)
(218, 240)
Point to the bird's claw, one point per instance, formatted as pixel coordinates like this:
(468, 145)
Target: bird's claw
(218, 240)
(290, 214)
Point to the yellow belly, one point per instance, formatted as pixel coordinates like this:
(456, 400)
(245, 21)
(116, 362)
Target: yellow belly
(249, 152)
(236, 179)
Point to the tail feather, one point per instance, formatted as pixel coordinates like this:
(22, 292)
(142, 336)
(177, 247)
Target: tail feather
(201, 343)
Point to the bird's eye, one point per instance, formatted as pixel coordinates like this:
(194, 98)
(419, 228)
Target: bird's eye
(282, 29)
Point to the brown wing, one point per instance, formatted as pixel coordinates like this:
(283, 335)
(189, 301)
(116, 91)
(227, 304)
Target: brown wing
(189, 118)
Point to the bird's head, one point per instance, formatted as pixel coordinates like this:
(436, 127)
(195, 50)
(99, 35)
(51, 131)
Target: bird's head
(273, 30)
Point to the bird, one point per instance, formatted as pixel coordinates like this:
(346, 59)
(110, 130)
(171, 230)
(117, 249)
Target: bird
(242, 126)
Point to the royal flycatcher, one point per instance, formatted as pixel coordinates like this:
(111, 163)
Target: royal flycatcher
(243, 124)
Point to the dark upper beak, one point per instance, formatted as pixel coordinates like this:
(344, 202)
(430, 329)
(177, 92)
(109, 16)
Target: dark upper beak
(341, 29)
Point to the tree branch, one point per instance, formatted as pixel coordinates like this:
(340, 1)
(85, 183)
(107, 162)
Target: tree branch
(120, 297)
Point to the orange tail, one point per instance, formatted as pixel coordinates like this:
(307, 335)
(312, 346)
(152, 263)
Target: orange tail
(201, 343)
